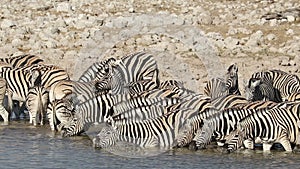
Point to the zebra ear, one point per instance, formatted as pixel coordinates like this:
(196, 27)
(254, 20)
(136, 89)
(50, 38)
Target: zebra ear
(254, 82)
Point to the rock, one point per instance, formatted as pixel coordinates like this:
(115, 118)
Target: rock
(16, 42)
(271, 37)
(255, 39)
(273, 22)
(290, 32)
(231, 43)
(6, 23)
(63, 7)
(290, 18)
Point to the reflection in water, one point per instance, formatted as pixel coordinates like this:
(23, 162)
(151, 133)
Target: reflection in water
(25, 146)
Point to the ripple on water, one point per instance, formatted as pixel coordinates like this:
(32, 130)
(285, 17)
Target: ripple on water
(26, 146)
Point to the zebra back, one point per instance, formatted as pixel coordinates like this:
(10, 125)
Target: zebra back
(137, 102)
(48, 74)
(78, 91)
(294, 96)
(22, 60)
(133, 68)
(229, 101)
(163, 128)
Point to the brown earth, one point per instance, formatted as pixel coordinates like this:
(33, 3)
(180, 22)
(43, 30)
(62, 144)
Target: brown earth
(257, 35)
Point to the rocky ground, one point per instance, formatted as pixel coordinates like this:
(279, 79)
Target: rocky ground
(191, 40)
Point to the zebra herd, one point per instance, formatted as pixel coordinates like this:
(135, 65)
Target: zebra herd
(127, 96)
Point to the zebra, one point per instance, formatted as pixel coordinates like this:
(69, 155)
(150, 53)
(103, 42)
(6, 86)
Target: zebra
(156, 132)
(220, 125)
(68, 88)
(132, 68)
(274, 85)
(131, 74)
(100, 109)
(217, 87)
(177, 87)
(231, 79)
(94, 110)
(59, 113)
(294, 97)
(198, 102)
(98, 70)
(36, 103)
(188, 131)
(22, 60)
(19, 80)
(229, 101)
(269, 126)
(3, 112)
(138, 109)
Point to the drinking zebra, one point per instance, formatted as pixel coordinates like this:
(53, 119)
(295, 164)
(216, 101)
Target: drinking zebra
(100, 109)
(276, 125)
(156, 132)
(220, 125)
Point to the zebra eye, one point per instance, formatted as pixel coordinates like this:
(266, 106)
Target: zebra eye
(108, 133)
(106, 69)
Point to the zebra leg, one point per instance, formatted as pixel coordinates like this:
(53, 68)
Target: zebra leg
(30, 116)
(286, 144)
(267, 146)
(249, 144)
(42, 118)
(4, 114)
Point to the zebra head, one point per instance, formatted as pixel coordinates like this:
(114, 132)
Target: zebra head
(231, 79)
(103, 85)
(74, 127)
(104, 68)
(234, 141)
(259, 90)
(106, 138)
(185, 135)
(203, 136)
(252, 91)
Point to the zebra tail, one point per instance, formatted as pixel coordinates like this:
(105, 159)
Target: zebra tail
(9, 102)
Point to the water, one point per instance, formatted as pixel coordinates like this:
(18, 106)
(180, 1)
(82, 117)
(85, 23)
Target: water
(26, 146)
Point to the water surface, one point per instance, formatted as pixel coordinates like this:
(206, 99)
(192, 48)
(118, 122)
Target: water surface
(26, 146)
